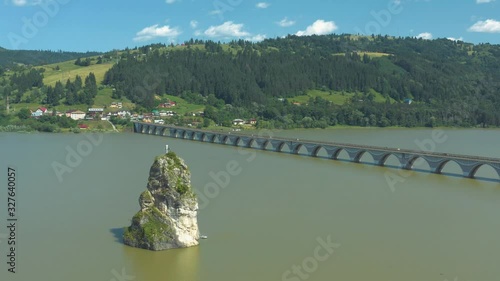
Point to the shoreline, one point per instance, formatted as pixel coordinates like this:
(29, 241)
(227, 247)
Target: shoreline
(5, 129)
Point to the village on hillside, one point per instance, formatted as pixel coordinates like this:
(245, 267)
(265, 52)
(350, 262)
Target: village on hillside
(161, 115)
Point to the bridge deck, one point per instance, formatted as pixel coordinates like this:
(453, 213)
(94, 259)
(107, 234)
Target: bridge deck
(436, 160)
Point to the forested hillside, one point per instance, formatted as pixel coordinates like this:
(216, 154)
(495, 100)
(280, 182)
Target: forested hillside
(449, 83)
(311, 81)
(10, 57)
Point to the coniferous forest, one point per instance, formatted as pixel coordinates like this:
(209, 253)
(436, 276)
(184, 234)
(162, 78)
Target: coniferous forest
(449, 83)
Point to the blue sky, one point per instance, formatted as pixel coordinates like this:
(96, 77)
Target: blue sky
(90, 25)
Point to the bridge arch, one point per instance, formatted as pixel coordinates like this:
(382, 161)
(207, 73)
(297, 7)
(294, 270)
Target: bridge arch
(384, 158)
(359, 155)
(317, 149)
(223, 139)
(250, 143)
(237, 141)
(475, 169)
(265, 144)
(202, 137)
(150, 130)
(212, 139)
(173, 133)
(156, 131)
(414, 161)
(440, 166)
(336, 153)
(192, 136)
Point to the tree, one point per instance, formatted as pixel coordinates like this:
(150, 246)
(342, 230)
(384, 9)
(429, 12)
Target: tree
(206, 122)
(24, 113)
(58, 93)
(210, 113)
(89, 90)
(71, 97)
(51, 96)
(78, 83)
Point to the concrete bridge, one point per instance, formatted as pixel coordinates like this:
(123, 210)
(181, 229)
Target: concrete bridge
(407, 158)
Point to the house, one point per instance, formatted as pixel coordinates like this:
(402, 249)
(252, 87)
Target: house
(408, 101)
(123, 114)
(39, 112)
(168, 104)
(77, 115)
(161, 122)
(252, 121)
(94, 111)
(238, 122)
(297, 103)
(116, 105)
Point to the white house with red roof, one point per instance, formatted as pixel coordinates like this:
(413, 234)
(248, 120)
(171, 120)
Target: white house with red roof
(39, 112)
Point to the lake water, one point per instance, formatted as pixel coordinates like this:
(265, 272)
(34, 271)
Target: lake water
(268, 220)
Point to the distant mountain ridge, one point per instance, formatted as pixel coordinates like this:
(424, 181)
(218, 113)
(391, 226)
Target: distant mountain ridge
(34, 57)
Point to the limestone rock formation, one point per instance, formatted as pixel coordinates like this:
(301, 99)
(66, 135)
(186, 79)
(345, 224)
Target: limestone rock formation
(168, 215)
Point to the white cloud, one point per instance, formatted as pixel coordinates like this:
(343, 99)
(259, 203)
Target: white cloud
(286, 22)
(227, 29)
(487, 26)
(170, 1)
(256, 38)
(455, 39)
(484, 1)
(262, 5)
(425, 35)
(155, 31)
(319, 27)
(193, 24)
